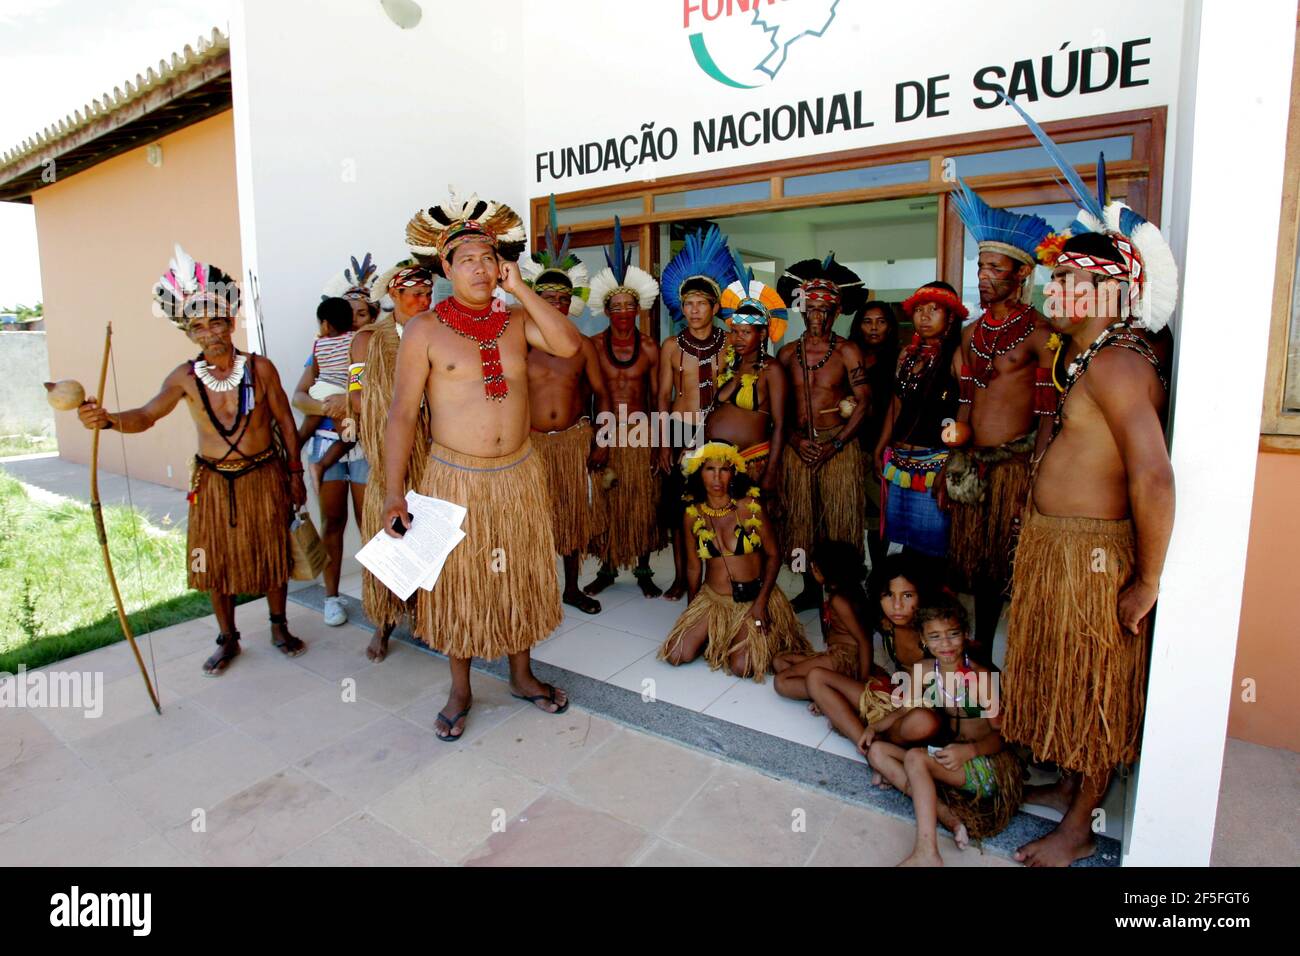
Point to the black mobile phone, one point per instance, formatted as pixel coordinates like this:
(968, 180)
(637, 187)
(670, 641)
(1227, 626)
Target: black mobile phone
(398, 526)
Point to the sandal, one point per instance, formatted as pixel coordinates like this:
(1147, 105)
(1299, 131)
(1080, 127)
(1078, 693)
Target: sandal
(289, 645)
(451, 725)
(561, 708)
(583, 603)
(216, 665)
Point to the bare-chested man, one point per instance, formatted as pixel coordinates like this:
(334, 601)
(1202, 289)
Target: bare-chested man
(629, 361)
(564, 438)
(374, 365)
(1004, 376)
(824, 470)
(688, 368)
(467, 359)
(241, 496)
(1101, 510)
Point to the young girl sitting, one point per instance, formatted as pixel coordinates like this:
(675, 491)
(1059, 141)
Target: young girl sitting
(838, 571)
(970, 784)
(851, 702)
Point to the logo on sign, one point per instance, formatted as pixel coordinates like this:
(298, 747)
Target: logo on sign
(746, 44)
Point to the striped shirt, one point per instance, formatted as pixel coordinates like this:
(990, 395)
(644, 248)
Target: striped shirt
(332, 358)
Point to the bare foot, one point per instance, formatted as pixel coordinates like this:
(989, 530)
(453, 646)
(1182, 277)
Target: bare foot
(602, 580)
(1056, 795)
(647, 585)
(880, 783)
(814, 710)
(377, 649)
(675, 590)
(583, 603)
(923, 859)
(961, 837)
(1059, 848)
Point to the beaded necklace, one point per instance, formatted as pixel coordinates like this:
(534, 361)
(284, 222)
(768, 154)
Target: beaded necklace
(991, 339)
(485, 327)
(798, 351)
(614, 359)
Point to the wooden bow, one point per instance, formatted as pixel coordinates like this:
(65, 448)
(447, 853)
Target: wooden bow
(97, 510)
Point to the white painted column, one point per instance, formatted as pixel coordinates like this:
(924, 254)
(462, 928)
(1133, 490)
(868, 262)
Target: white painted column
(1224, 216)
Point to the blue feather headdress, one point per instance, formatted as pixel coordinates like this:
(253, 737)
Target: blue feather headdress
(1015, 235)
(355, 282)
(704, 264)
(619, 275)
(554, 266)
(1146, 262)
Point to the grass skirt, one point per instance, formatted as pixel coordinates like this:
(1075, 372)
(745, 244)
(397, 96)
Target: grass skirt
(988, 816)
(241, 524)
(1074, 685)
(726, 618)
(631, 509)
(563, 458)
(841, 497)
(381, 605)
(497, 593)
(983, 533)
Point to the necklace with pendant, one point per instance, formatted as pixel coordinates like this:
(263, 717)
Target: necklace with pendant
(485, 327)
(213, 384)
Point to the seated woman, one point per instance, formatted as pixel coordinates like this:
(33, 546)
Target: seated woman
(749, 411)
(969, 782)
(838, 570)
(737, 617)
(851, 703)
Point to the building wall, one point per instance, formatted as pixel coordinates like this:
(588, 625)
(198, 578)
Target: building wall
(105, 236)
(1268, 651)
(23, 408)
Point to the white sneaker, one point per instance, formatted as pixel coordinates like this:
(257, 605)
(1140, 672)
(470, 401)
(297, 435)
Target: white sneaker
(335, 612)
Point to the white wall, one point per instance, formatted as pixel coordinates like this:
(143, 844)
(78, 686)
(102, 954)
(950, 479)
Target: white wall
(346, 125)
(1216, 414)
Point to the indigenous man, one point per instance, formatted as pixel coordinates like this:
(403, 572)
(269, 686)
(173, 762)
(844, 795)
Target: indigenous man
(689, 363)
(824, 469)
(629, 362)
(370, 391)
(241, 491)
(1097, 526)
(561, 417)
(467, 360)
(1005, 385)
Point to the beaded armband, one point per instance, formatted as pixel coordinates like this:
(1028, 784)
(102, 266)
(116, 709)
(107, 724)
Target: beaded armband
(1045, 393)
(356, 376)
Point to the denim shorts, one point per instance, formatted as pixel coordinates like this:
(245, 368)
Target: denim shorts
(356, 470)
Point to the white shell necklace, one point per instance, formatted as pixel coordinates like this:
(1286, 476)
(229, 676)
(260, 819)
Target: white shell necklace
(213, 384)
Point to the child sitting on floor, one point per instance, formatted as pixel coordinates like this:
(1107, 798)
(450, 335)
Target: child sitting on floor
(330, 354)
(851, 702)
(838, 570)
(970, 784)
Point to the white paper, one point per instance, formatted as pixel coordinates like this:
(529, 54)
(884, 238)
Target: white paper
(417, 558)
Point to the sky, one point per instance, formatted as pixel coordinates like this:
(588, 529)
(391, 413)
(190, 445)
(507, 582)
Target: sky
(61, 54)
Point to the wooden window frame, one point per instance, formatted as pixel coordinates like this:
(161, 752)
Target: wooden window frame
(1139, 180)
(1280, 429)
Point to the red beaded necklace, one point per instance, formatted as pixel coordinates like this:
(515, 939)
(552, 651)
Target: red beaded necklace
(485, 327)
(991, 339)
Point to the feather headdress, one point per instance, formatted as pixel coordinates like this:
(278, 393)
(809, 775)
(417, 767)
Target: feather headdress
(822, 278)
(1015, 235)
(1145, 260)
(189, 288)
(619, 275)
(750, 302)
(355, 282)
(555, 267)
(406, 274)
(436, 232)
(704, 264)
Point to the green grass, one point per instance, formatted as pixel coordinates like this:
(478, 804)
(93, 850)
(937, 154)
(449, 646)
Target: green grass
(55, 601)
(11, 445)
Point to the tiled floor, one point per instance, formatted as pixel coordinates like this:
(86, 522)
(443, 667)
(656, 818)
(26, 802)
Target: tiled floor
(619, 646)
(327, 759)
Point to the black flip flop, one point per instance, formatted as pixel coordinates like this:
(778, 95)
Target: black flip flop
(548, 697)
(584, 603)
(450, 738)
